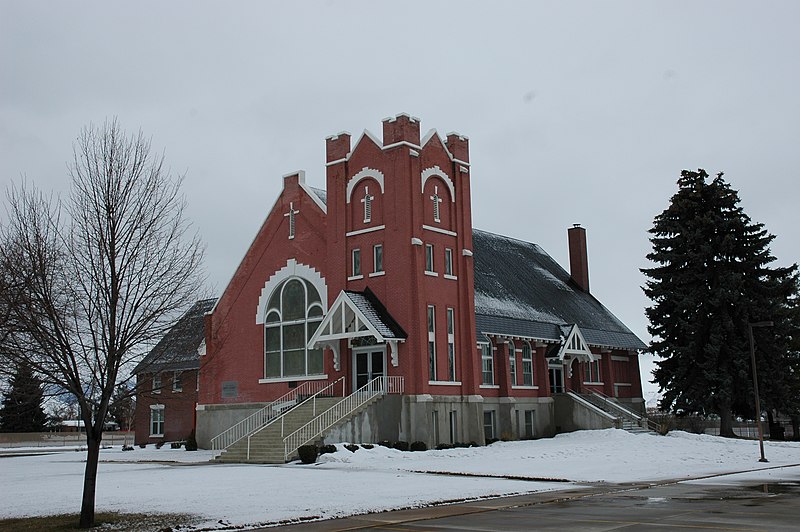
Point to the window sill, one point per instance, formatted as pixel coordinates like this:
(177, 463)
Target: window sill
(177, 391)
(377, 274)
(432, 274)
(622, 384)
(594, 383)
(156, 435)
(290, 379)
(451, 277)
(445, 383)
(355, 277)
(490, 386)
(524, 387)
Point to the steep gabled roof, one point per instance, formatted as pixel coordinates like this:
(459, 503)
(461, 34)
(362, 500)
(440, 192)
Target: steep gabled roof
(177, 350)
(521, 291)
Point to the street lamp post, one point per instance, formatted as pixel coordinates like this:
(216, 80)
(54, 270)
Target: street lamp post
(755, 383)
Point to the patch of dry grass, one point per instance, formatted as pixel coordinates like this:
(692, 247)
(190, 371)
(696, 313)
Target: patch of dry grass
(103, 521)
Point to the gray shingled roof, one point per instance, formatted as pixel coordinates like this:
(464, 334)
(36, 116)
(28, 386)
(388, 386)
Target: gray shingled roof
(521, 291)
(369, 305)
(177, 350)
(321, 194)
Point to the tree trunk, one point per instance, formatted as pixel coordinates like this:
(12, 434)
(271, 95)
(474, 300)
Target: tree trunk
(726, 422)
(90, 480)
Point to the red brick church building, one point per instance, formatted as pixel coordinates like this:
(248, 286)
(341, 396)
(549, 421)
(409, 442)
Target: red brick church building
(379, 283)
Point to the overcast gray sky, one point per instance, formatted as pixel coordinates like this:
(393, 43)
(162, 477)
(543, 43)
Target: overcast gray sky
(577, 112)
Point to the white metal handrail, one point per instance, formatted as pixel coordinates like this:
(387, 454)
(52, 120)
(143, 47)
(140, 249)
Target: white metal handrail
(327, 391)
(594, 408)
(616, 406)
(270, 412)
(317, 426)
(642, 421)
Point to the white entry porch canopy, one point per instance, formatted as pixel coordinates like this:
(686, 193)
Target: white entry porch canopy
(575, 346)
(357, 315)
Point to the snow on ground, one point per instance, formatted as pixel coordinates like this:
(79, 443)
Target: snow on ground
(589, 456)
(344, 483)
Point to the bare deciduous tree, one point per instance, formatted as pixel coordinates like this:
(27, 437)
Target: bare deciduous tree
(91, 283)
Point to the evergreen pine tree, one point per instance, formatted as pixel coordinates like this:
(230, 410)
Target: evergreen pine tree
(711, 277)
(121, 407)
(22, 406)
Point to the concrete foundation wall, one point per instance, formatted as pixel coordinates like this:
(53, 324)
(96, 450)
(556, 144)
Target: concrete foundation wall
(510, 420)
(571, 415)
(410, 418)
(214, 419)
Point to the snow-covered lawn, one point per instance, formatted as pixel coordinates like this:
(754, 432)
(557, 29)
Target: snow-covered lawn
(345, 483)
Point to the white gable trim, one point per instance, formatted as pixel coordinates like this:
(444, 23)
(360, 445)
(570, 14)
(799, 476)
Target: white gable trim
(365, 172)
(292, 269)
(313, 195)
(436, 171)
(575, 346)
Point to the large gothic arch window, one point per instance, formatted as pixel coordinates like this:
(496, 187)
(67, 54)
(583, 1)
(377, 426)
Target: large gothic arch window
(292, 316)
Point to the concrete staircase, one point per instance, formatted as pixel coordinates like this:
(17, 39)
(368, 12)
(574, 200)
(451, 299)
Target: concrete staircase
(265, 446)
(278, 440)
(628, 420)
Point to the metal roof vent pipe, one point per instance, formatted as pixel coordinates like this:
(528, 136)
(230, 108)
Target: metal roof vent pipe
(578, 256)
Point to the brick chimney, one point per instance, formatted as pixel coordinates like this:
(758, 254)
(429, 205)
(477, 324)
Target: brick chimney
(578, 260)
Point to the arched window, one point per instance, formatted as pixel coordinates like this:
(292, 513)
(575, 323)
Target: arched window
(527, 364)
(293, 314)
(512, 362)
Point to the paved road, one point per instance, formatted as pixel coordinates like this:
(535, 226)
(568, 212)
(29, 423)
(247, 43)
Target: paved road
(667, 507)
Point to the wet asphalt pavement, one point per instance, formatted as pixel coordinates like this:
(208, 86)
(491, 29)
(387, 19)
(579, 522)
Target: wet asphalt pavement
(665, 507)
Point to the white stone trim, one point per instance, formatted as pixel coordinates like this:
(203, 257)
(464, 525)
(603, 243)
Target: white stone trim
(451, 277)
(445, 383)
(431, 274)
(292, 269)
(377, 274)
(416, 241)
(400, 143)
(296, 379)
(490, 386)
(436, 171)
(365, 172)
(439, 230)
(594, 383)
(515, 387)
(367, 230)
(355, 277)
(466, 252)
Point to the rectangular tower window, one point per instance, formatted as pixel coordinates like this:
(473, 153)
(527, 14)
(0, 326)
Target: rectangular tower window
(356, 262)
(487, 363)
(435, 427)
(177, 382)
(451, 345)
(377, 256)
(432, 342)
(448, 261)
(453, 426)
(429, 258)
(156, 382)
